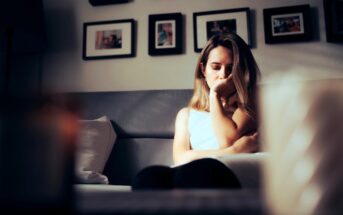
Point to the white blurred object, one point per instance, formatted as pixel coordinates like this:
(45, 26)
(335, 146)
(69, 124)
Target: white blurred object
(90, 177)
(302, 127)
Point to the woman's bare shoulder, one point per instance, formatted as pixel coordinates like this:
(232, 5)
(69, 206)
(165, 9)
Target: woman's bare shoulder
(182, 116)
(183, 113)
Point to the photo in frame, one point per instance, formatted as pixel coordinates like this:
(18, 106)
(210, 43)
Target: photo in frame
(165, 34)
(333, 10)
(108, 39)
(287, 24)
(209, 23)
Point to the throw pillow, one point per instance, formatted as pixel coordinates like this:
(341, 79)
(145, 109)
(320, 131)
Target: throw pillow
(96, 140)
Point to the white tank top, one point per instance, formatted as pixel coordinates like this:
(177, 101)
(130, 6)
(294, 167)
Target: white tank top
(200, 130)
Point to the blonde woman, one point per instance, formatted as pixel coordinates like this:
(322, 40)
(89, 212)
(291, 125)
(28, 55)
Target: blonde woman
(220, 120)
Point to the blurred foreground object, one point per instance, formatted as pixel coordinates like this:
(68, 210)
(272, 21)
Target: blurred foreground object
(302, 127)
(22, 44)
(38, 135)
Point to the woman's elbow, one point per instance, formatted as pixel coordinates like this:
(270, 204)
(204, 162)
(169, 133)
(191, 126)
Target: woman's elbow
(181, 157)
(228, 139)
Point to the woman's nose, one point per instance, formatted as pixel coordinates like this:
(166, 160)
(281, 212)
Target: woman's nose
(223, 73)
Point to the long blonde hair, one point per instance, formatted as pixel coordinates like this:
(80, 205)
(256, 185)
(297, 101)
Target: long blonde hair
(244, 72)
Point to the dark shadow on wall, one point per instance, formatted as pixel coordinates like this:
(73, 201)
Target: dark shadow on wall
(253, 28)
(315, 24)
(184, 34)
(61, 31)
(135, 38)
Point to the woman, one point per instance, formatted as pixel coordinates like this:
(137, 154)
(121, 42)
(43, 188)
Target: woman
(220, 120)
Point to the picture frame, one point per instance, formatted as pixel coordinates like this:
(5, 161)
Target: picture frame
(108, 39)
(333, 10)
(287, 24)
(165, 34)
(209, 23)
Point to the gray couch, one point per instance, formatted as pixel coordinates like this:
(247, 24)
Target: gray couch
(144, 123)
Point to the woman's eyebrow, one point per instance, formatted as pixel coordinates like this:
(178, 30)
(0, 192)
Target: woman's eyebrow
(230, 64)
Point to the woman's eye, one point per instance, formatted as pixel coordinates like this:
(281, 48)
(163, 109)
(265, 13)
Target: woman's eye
(216, 67)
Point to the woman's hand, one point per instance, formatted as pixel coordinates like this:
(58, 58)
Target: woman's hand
(223, 88)
(246, 144)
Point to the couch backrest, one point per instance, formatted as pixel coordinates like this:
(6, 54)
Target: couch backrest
(144, 122)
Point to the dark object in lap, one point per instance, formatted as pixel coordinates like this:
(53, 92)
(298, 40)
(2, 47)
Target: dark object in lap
(203, 173)
(154, 177)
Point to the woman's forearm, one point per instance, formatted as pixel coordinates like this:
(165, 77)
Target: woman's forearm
(224, 127)
(245, 144)
(191, 155)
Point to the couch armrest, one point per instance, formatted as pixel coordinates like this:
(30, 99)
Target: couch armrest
(247, 167)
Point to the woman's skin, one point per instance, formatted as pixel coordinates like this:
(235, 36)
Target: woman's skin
(228, 126)
(229, 120)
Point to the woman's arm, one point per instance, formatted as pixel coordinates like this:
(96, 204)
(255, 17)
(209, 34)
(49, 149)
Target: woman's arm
(246, 144)
(183, 153)
(181, 137)
(228, 129)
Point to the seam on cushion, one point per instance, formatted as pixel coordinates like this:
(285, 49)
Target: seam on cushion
(109, 126)
(104, 159)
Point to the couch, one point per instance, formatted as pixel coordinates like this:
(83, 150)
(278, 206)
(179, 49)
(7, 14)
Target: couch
(144, 125)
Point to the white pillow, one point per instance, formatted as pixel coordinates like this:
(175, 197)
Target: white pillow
(96, 140)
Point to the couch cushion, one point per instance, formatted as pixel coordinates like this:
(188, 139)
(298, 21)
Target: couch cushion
(130, 155)
(144, 123)
(186, 201)
(247, 167)
(96, 139)
(136, 114)
(90, 189)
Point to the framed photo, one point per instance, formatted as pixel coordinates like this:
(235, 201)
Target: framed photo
(334, 20)
(165, 34)
(287, 24)
(108, 39)
(206, 24)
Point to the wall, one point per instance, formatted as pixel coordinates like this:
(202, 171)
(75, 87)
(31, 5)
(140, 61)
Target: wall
(64, 69)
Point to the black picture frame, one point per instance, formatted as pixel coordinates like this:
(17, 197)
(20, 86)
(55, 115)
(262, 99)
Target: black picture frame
(208, 23)
(106, 2)
(333, 10)
(108, 39)
(165, 34)
(287, 24)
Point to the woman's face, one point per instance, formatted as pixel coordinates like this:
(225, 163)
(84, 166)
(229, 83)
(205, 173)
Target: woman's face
(218, 66)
